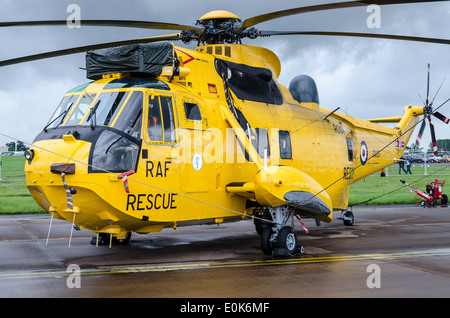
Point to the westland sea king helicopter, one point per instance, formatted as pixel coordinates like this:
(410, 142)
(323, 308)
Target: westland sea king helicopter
(164, 136)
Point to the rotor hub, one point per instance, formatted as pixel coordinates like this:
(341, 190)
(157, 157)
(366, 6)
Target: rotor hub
(219, 14)
(221, 26)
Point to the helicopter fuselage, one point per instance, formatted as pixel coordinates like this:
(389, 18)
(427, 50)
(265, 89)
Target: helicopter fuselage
(154, 153)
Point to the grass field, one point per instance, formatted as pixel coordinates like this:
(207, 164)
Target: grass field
(375, 189)
(15, 198)
(14, 195)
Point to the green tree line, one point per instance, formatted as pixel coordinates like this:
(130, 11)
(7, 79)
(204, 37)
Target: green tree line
(12, 146)
(442, 144)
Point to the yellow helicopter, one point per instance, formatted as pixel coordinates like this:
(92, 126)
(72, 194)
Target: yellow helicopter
(164, 136)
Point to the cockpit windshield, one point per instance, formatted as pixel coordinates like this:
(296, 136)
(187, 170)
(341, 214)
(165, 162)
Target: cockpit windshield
(61, 112)
(106, 108)
(121, 110)
(80, 110)
(111, 120)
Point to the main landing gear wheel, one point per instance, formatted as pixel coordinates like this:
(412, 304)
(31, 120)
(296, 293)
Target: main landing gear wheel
(287, 239)
(285, 245)
(105, 239)
(278, 238)
(266, 243)
(347, 217)
(123, 240)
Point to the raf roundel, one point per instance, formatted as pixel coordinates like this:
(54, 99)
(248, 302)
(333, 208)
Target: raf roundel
(364, 153)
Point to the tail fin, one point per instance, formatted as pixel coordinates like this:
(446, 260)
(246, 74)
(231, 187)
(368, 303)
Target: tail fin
(406, 123)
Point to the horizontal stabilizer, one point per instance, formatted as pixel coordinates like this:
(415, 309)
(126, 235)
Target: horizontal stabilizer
(386, 119)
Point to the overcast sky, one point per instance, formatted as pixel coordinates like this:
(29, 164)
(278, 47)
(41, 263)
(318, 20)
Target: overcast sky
(367, 77)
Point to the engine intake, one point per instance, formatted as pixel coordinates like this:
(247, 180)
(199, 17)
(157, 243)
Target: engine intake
(304, 90)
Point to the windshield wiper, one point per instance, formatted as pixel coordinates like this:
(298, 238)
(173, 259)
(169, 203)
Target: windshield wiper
(63, 114)
(92, 117)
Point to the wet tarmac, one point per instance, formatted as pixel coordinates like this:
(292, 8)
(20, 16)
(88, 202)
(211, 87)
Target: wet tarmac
(401, 251)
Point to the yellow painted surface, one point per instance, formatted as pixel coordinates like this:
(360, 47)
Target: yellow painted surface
(170, 188)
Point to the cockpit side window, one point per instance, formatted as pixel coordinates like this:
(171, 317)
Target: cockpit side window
(160, 119)
(169, 120)
(80, 110)
(130, 119)
(154, 125)
(192, 111)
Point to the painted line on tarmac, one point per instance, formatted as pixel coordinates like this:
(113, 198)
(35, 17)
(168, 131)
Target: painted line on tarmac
(231, 264)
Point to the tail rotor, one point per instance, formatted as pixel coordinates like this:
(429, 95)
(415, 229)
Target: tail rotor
(427, 113)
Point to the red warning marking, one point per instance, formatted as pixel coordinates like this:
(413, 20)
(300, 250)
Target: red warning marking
(191, 58)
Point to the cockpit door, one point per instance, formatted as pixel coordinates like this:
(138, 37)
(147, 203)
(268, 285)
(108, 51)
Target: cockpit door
(157, 171)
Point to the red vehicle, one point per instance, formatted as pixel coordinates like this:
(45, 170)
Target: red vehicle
(432, 195)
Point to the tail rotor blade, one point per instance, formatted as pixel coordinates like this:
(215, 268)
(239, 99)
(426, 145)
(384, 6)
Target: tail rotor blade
(428, 83)
(419, 136)
(433, 138)
(439, 116)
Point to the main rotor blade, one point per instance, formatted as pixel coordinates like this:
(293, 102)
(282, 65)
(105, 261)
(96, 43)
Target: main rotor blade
(81, 49)
(320, 7)
(419, 136)
(361, 35)
(113, 23)
(438, 115)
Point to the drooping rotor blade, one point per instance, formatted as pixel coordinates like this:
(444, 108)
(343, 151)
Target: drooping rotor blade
(433, 137)
(114, 23)
(81, 49)
(438, 115)
(321, 7)
(419, 136)
(361, 35)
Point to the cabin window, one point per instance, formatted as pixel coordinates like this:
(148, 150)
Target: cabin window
(351, 149)
(80, 110)
(161, 119)
(262, 141)
(192, 111)
(61, 111)
(285, 144)
(130, 119)
(106, 108)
